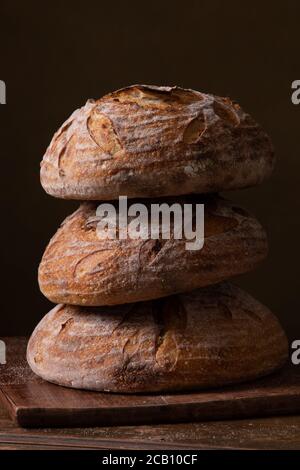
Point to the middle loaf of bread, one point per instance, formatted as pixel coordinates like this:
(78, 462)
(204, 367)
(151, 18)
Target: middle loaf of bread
(79, 268)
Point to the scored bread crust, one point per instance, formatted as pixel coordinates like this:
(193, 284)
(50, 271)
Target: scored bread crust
(147, 141)
(79, 268)
(209, 337)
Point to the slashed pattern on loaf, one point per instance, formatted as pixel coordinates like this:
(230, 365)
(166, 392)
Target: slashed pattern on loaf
(79, 268)
(145, 141)
(209, 337)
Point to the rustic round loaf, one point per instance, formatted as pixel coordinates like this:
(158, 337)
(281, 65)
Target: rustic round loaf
(81, 269)
(147, 141)
(207, 338)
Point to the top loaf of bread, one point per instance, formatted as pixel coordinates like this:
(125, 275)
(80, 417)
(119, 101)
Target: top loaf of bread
(149, 141)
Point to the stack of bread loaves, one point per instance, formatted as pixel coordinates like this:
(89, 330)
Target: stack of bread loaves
(139, 315)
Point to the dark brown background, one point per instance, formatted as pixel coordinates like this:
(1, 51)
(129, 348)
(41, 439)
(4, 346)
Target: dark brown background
(54, 56)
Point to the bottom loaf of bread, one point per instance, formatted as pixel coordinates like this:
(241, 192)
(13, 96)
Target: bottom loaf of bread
(209, 337)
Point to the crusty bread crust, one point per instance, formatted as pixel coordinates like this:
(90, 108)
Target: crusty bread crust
(209, 337)
(79, 268)
(147, 141)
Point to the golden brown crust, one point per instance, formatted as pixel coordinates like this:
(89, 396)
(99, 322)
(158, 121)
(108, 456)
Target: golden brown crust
(146, 141)
(210, 337)
(79, 268)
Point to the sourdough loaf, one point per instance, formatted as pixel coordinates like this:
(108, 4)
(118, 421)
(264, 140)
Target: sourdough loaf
(209, 337)
(79, 268)
(147, 141)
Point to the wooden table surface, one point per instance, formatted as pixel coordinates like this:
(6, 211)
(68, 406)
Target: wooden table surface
(267, 433)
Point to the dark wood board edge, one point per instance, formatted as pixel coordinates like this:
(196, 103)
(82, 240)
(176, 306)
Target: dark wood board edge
(177, 413)
(9, 405)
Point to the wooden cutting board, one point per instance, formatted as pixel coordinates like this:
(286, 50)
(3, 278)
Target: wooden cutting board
(33, 402)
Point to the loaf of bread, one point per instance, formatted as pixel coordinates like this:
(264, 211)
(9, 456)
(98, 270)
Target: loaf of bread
(147, 141)
(209, 337)
(81, 269)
